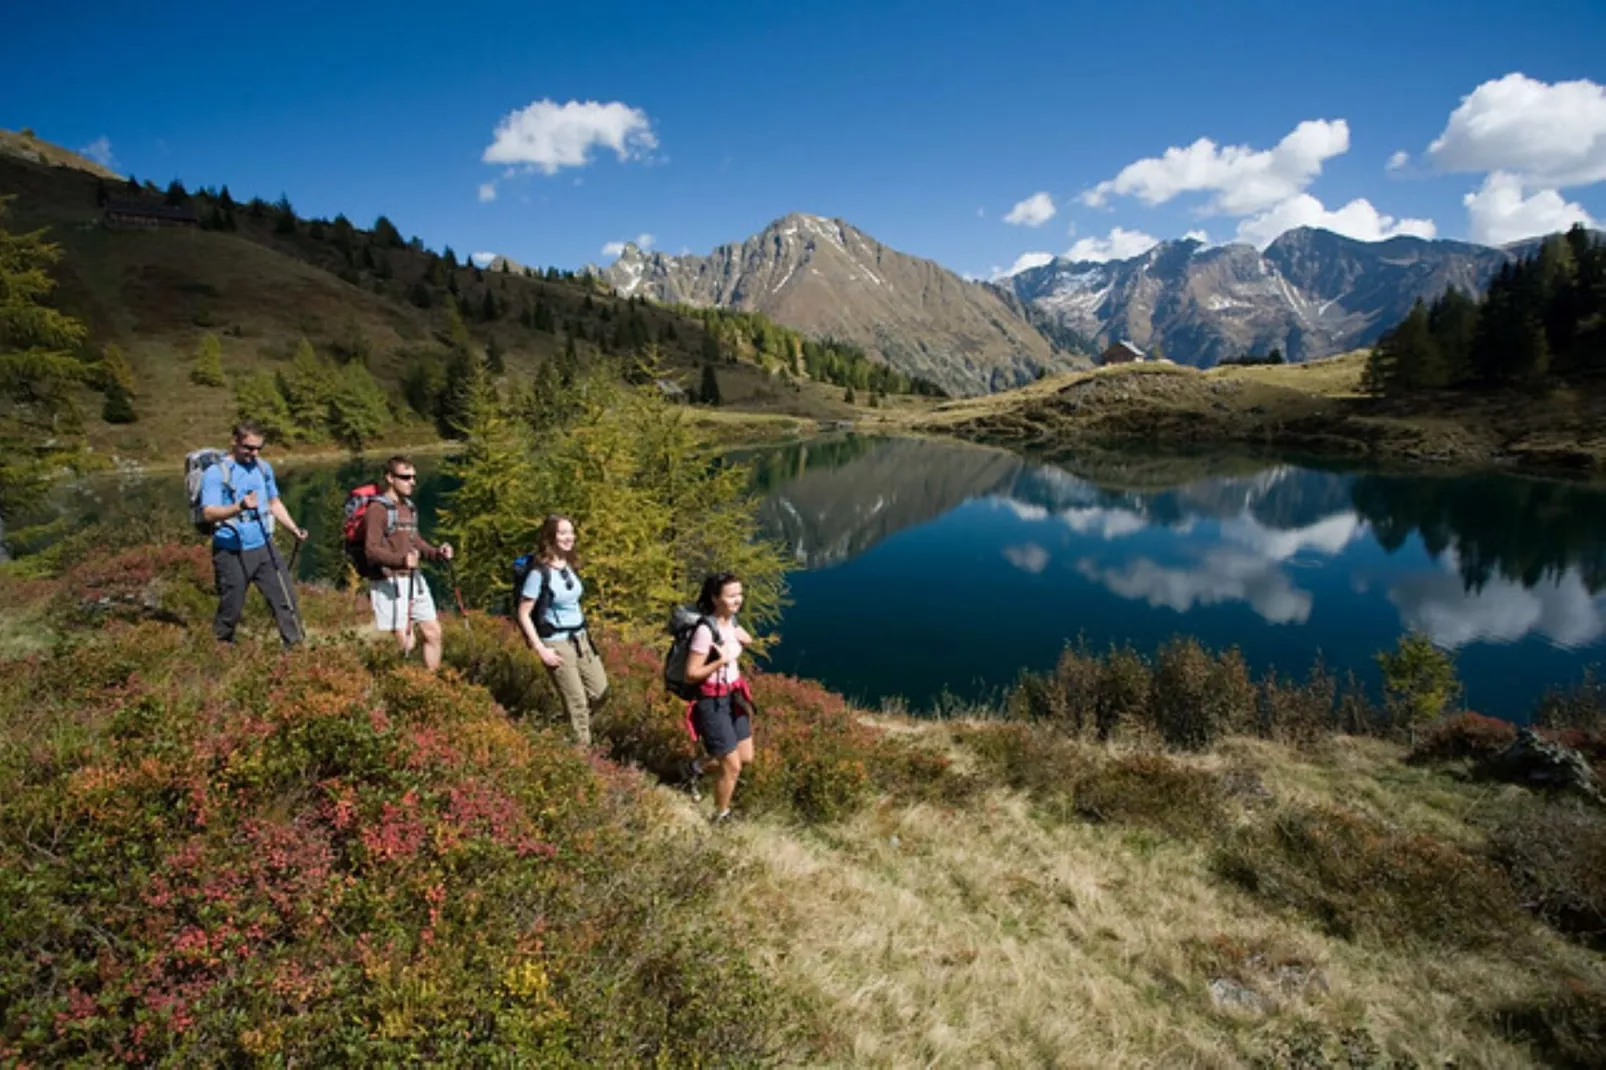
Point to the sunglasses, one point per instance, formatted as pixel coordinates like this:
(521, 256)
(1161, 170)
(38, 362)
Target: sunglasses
(247, 447)
(404, 477)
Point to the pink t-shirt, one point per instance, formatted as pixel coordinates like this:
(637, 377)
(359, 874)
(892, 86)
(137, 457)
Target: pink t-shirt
(732, 637)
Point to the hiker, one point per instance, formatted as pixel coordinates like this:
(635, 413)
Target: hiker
(550, 618)
(722, 714)
(392, 549)
(233, 492)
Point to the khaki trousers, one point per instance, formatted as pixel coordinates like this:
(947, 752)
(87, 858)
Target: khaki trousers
(580, 681)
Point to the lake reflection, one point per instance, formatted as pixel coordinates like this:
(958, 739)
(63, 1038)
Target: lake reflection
(929, 565)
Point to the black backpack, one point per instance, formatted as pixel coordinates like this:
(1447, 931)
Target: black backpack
(683, 624)
(522, 567)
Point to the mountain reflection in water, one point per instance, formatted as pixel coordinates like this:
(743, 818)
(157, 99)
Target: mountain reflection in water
(926, 566)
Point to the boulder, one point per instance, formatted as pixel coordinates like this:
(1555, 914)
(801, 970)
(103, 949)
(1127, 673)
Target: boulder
(1537, 763)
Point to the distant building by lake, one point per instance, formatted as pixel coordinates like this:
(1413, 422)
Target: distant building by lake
(1122, 352)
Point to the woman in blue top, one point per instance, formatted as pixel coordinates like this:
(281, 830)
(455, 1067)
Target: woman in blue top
(550, 618)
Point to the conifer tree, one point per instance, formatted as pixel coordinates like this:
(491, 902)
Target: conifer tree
(493, 514)
(307, 386)
(358, 410)
(39, 422)
(386, 236)
(257, 397)
(284, 216)
(495, 364)
(208, 369)
(117, 405)
(708, 392)
(176, 194)
(114, 368)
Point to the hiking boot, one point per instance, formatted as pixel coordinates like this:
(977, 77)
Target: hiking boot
(721, 818)
(690, 777)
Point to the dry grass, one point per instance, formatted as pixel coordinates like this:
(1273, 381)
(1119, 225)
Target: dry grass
(987, 935)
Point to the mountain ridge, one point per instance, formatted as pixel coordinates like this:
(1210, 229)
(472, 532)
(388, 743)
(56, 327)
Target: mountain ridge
(828, 278)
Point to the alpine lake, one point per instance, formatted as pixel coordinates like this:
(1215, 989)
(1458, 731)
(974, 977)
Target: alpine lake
(931, 573)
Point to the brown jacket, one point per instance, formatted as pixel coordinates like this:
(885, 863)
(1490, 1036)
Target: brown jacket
(390, 551)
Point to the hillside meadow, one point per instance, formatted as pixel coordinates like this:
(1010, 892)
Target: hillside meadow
(236, 856)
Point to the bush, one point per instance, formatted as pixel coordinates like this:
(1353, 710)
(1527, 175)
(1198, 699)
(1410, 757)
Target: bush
(1359, 878)
(1297, 713)
(1122, 696)
(1154, 792)
(1195, 699)
(229, 857)
(1464, 736)
(1076, 682)
(1419, 681)
(1555, 856)
(1581, 707)
(1567, 1028)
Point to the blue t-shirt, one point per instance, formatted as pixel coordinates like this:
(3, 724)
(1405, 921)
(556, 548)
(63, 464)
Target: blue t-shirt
(563, 606)
(246, 531)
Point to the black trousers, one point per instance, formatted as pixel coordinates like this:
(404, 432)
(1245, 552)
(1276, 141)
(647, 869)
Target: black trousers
(235, 571)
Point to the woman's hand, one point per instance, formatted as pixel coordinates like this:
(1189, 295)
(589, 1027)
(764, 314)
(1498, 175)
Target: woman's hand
(549, 657)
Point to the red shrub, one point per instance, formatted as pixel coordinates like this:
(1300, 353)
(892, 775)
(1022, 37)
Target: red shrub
(1464, 736)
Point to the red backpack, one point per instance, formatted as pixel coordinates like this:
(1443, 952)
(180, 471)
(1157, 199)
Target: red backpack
(358, 500)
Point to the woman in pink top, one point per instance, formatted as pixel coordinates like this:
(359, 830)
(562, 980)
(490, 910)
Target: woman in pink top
(722, 715)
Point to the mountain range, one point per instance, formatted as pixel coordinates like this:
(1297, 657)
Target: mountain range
(1311, 293)
(830, 279)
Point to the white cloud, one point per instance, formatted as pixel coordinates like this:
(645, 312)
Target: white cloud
(548, 136)
(1499, 212)
(1397, 161)
(1024, 262)
(1242, 179)
(1357, 219)
(100, 150)
(1222, 576)
(981, 213)
(1029, 557)
(1197, 235)
(641, 241)
(487, 192)
(1034, 211)
(1122, 244)
(481, 259)
(1439, 606)
(1105, 523)
(1328, 535)
(1025, 510)
(1552, 135)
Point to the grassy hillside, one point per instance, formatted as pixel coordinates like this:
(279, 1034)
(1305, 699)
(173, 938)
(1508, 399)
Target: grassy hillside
(1315, 407)
(263, 285)
(236, 857)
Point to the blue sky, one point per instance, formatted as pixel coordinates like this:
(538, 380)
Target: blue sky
(925, 124)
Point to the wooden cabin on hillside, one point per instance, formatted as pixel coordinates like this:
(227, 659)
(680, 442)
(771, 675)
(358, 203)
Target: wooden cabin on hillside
(1122, 352)
(142, 215)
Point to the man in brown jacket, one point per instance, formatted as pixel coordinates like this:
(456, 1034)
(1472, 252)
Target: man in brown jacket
(393, 547)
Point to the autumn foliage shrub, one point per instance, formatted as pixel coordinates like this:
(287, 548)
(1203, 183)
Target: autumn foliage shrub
(1154, 792)
(1464, 736)
(232, 856)
(1359, 878)
(1555, 855)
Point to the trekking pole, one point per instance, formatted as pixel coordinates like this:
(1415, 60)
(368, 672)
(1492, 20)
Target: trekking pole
(407, 619)
(278, 570)
(457, 592)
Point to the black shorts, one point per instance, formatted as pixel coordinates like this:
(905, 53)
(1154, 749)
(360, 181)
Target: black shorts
(717, 728)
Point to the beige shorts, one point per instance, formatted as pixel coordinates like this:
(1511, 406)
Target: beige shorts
(389, 598)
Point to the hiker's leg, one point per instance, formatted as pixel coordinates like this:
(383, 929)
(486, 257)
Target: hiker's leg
(430, 630)
(423, 614)
(725, 777)
(280, 596)
(385, 596)
(592, 675)
(572, 689)
(229, 574)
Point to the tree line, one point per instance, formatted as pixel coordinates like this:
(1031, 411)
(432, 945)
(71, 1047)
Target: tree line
(1541, 317)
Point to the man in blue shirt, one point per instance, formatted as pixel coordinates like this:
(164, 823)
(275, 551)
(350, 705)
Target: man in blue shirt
(233, 492)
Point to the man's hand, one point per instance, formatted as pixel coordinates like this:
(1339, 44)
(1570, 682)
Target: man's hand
(248, 503)
(412, 560)
(446, 551)
(300, 533)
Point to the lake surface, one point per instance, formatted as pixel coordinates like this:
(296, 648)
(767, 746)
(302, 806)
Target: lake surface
(931, 566)
(926, 565)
